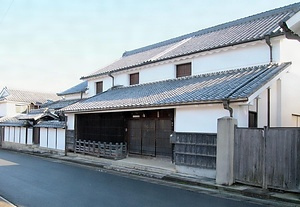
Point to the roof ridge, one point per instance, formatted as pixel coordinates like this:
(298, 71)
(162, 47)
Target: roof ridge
(215, 28)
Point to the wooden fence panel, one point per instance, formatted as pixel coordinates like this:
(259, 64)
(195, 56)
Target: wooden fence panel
(248, 156)
(282, 158)
(107, 150)
(195, 149)
(269, 158)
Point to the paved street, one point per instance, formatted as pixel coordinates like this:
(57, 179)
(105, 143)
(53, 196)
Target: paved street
(32, 181)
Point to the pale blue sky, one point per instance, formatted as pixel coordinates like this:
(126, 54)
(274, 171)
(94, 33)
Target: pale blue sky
(47, 45)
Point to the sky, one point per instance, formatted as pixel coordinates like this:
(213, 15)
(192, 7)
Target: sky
(48, 45)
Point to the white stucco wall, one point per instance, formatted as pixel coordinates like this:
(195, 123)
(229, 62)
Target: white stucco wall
(7, 109)
(290, 82)
(43, 137)
(52, 138)
(70, 121)
(157, 73)
(217, 60)
(202, 118)
(235, 57)
(61, 134)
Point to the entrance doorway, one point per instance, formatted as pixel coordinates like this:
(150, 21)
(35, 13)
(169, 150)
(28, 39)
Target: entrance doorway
(150, 136)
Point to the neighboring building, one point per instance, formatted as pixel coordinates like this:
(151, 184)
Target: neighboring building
(13, 102)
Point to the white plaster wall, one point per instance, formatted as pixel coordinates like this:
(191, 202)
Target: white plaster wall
(70, 121)
(222, 59)
(51, 138)
(3, 109)
(232, 59)
(43, 137)
(12, 134)
(17, 134)
(240, 113)
(29, 135)
(157, 73)
(107, 84)
(202, 118)
(6, 134)
(61, 134)
(23, 135)
(123, 78)
(290, 84)
(75, 96)
(8, 109)
(262, 119)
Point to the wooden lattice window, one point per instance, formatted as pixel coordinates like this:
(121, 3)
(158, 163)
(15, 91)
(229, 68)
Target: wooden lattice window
(99, 87)
(134, 78)
(183, 70)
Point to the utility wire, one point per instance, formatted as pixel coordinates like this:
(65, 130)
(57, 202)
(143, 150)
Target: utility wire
(6, 12)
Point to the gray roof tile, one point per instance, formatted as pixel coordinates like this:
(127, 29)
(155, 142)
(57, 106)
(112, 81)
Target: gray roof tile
(235, 85)
(28, 96)
(51, 124)
(79, 88)
(240, 31)
(13, 121)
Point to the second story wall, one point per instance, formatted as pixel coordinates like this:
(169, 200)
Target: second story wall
(233, 57)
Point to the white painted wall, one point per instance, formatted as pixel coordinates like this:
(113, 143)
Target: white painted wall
(70, 121)
(8, 108)
(158, 73)
(202, 118)
(107, 84)
(6, 134)
(217, 60)
(52, 138)
(23, 135)
(43, 137)
(290, 83)
(61, 134)
(75, 96)
(30, 136)
(233, 58)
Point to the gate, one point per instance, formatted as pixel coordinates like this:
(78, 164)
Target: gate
(150, 137)
(248, 156)
(268, 157)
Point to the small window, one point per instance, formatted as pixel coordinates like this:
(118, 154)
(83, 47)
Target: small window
(183, 70)
(99, 87)
(134, 78)
(252, 119)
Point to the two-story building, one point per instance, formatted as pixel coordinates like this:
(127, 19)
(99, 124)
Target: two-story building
(248, 68)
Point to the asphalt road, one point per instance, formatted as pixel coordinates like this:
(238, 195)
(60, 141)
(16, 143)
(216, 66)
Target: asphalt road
(32, 181)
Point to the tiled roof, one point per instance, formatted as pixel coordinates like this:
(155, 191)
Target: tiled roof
(35, 115)
(12, 121)
(81, 87)
(28, 96)
(244, 30)
(234, 85)
(51, 124)
(60, 104)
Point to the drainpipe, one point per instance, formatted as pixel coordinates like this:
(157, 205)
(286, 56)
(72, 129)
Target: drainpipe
(268, 41)
(227, 107)
(113, 79)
